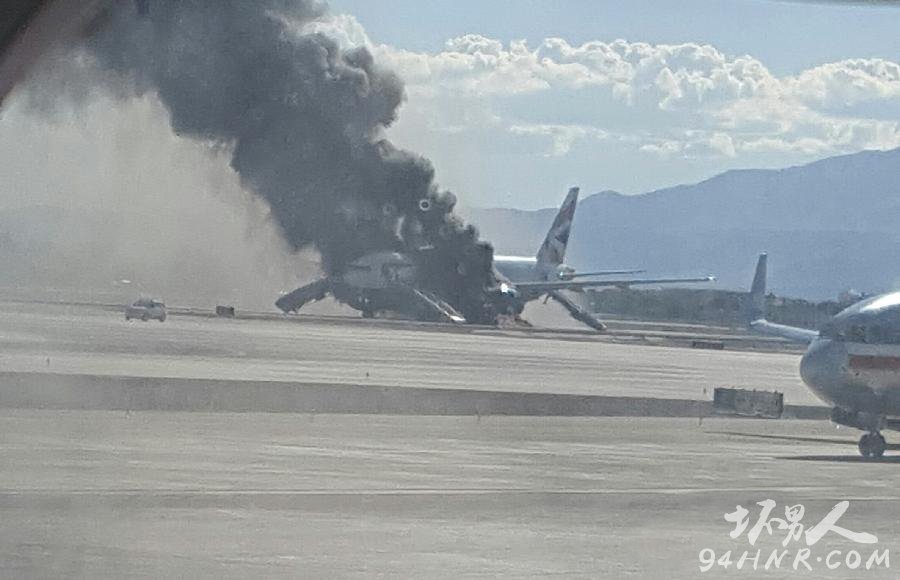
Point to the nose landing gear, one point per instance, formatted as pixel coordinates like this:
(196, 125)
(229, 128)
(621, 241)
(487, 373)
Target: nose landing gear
(872, 445)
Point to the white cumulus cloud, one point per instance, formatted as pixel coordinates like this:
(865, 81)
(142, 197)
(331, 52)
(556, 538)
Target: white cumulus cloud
(691, 94)
(496, 115)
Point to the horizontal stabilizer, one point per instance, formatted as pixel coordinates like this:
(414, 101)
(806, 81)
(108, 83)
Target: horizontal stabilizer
(585, 284)
(603, 273)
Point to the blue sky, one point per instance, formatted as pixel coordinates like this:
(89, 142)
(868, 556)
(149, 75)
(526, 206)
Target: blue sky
(787, 36)
(697, 88)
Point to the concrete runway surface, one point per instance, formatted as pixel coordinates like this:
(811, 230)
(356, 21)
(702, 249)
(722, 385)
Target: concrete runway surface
(116, 493)
(81, 340)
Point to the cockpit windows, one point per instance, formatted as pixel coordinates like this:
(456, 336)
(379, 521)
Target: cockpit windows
(869, 333)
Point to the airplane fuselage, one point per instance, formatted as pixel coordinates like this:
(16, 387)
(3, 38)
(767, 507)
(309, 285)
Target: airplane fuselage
(371, 300)
(854, 376)
(374, 282)
(516, 269)
(854, 363)
(526, 269)
(380, 282)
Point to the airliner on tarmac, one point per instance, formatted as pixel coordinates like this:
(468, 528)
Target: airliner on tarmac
(852, 363)
(547, 274)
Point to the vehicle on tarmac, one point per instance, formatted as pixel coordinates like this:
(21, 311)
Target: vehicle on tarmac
(146, 309)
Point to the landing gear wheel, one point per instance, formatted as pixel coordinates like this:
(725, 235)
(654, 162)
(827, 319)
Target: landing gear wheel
(872, 445)
(368, 314)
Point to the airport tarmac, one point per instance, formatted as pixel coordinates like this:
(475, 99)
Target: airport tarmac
(93, 341)
(119, 493)
(106, 494)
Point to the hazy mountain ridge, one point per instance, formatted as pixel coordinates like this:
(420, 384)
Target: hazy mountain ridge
(829, 225)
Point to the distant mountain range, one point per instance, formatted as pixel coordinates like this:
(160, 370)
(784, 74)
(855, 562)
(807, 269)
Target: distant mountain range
(830, 225)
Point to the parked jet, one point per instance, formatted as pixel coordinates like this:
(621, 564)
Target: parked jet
(852, 363)
(549, 262)
(547, 274)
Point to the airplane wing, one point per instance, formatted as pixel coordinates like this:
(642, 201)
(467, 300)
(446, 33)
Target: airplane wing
(792, 333)
(604, 273)
(582, 285)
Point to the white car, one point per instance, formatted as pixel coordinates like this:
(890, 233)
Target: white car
(146, 309)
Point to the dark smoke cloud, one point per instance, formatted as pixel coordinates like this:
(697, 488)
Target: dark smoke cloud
(304, 120)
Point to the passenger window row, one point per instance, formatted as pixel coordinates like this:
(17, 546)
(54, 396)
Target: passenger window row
(870, 334)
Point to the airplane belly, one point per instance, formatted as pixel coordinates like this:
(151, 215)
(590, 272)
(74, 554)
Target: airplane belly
(365, 299)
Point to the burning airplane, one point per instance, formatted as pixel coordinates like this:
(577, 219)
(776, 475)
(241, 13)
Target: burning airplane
(389, 282)
(395, 282)
(303, 120)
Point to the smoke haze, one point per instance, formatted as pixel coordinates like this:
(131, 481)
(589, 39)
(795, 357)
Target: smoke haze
(299, 119)
(104, 191)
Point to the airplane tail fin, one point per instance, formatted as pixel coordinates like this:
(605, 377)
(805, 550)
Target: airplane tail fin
(756, 300)
(553, 250)
(755, 311)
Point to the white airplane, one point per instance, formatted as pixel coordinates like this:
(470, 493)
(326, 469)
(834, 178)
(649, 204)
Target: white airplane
(547, 274)
(852, 363)
(548, 264)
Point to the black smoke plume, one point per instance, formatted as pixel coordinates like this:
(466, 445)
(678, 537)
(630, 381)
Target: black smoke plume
(304, 119)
